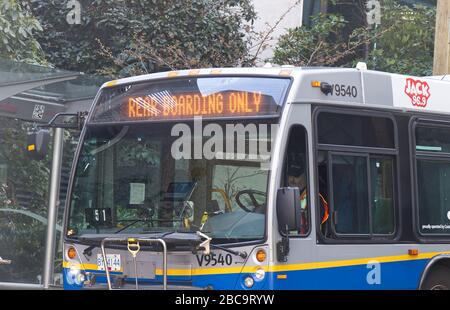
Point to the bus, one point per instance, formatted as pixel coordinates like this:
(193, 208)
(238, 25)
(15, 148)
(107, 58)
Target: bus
(262, 178)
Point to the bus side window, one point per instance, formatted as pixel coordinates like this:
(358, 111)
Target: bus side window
(295, 174)
(356, 183)
(433, 179)
(350, 194)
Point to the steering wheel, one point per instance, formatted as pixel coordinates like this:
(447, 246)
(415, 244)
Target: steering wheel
(251, 194)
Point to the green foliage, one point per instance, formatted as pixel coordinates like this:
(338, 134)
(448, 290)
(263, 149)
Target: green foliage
(23, 174)
(22, 240)
(25, 187)
(24, 183)
(403, 43)
(127, 37)
(315, 45)
(406, 40)
(17, 30)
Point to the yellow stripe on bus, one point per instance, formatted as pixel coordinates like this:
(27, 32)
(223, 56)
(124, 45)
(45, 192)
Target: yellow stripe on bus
(277, 268)
(352, 262)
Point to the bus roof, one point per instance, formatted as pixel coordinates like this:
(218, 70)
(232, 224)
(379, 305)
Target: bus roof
(347, 86)
(275, 71)
(374, 88)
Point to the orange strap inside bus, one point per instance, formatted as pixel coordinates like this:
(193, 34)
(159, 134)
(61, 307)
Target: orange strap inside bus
(325, 207)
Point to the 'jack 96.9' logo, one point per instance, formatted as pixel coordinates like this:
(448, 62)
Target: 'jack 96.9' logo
(418, 91)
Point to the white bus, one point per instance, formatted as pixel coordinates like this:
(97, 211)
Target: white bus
(262, 178)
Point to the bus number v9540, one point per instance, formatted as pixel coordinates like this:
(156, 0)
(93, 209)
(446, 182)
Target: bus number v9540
(214, 259)
(342, 90)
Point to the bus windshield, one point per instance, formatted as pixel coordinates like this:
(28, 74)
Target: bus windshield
(155, 178)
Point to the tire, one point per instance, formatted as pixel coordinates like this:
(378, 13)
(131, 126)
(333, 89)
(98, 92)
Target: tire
(437, 279)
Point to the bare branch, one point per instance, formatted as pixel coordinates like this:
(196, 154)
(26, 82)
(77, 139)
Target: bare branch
(319, 46)
(272, 29)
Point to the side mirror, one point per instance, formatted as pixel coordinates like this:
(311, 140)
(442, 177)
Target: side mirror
(68, 120)
(289, 216)
(37, 144)
(288, 209)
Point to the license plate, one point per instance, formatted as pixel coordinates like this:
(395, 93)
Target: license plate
(113, 261)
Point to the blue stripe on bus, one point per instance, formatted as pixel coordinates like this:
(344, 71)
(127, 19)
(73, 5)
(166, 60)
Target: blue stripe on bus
(394, 275)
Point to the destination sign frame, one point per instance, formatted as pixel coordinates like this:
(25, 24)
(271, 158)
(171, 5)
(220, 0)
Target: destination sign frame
(186, 98)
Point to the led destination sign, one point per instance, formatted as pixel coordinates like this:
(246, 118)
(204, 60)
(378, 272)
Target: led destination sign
(190, 97)
(188, 105)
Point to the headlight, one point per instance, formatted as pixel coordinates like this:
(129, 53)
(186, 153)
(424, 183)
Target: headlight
(248, 282)
(260, 273)
(75, 277)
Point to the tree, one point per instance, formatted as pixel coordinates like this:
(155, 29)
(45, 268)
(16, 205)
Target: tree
(23, 186)
(23, 183)
(402, 43)
(18, 28)
(126, 37)
(406, 42)
(319, 44)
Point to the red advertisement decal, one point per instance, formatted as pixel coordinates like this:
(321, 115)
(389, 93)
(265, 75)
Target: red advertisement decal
(418, 91)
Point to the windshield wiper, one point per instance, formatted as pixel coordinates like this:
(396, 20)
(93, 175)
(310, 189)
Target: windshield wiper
(88, 250)
(129, 225)
(243, 255)
(132, 223)
(208, 240)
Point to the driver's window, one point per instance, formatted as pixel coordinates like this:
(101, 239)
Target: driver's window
(296, 174)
